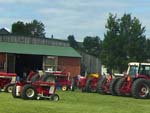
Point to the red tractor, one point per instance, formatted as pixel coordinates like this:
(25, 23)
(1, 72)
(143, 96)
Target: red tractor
(86, 84)
(62, 79)
(7, 81)
(106, 85)
(136, 81)
(78, 82)
(103, 85)
(43, 87)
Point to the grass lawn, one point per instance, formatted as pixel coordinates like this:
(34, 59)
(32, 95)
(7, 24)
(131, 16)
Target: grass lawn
(75, 102)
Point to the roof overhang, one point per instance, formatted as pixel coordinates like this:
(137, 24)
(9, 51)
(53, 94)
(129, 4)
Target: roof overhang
(34, 49)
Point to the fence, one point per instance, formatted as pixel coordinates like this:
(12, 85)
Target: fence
(32, 40)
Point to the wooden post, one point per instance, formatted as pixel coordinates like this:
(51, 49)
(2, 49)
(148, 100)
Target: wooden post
(5, 66)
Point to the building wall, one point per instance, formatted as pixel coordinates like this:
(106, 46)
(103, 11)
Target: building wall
(69, 64)
(90, 64)
(2, 62)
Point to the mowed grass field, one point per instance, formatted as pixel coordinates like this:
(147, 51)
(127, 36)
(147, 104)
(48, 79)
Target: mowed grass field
(75, 102)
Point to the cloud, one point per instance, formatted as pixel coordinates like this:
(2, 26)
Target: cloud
(62, 27)
(19, 1)
(94, 3)
(77, 17)
(63, 21)
(55, 11)
(7, 22)
(59, 11)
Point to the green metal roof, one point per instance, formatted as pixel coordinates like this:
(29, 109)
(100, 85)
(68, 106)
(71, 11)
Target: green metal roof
(37, 49)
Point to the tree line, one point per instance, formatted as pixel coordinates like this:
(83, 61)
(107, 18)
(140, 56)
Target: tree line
(34, 28)
(124, 41)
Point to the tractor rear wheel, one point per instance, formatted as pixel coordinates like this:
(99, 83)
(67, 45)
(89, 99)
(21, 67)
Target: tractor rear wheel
(88, 86)
(29, 92)
(8, 88)
(118, 86)
(113, 85)
(99, 85)
(140, 89)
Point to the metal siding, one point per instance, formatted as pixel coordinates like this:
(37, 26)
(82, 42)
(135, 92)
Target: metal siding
(37, 49)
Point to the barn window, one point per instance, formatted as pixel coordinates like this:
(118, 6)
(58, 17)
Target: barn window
(50, 63)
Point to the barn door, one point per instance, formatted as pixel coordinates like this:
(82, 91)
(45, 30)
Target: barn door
(2, 62)
(10, 63)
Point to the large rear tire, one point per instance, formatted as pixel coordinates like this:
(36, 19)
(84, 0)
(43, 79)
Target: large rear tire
(88, 86)
(140, 89)
(29, 92)
(112, 87)
(99, 85)
(119, 84)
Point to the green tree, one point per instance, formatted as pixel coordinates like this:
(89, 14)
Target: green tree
(18, 28)
(33, 29)
(123, 42)
(92, 45)
(132, 33)
(148, 49)
(109, 47)
(73, 42)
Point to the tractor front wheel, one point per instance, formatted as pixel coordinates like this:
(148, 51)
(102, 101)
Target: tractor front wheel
(55, 97)
(9, 88)
(29, 92)
(140, 89)
(64, 88)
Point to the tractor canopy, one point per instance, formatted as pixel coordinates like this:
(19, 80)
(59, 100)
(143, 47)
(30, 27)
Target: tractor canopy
(136, 69)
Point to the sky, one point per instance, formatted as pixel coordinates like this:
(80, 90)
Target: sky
(80, 18)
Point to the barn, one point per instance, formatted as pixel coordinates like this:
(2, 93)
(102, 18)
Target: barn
(21, 54)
